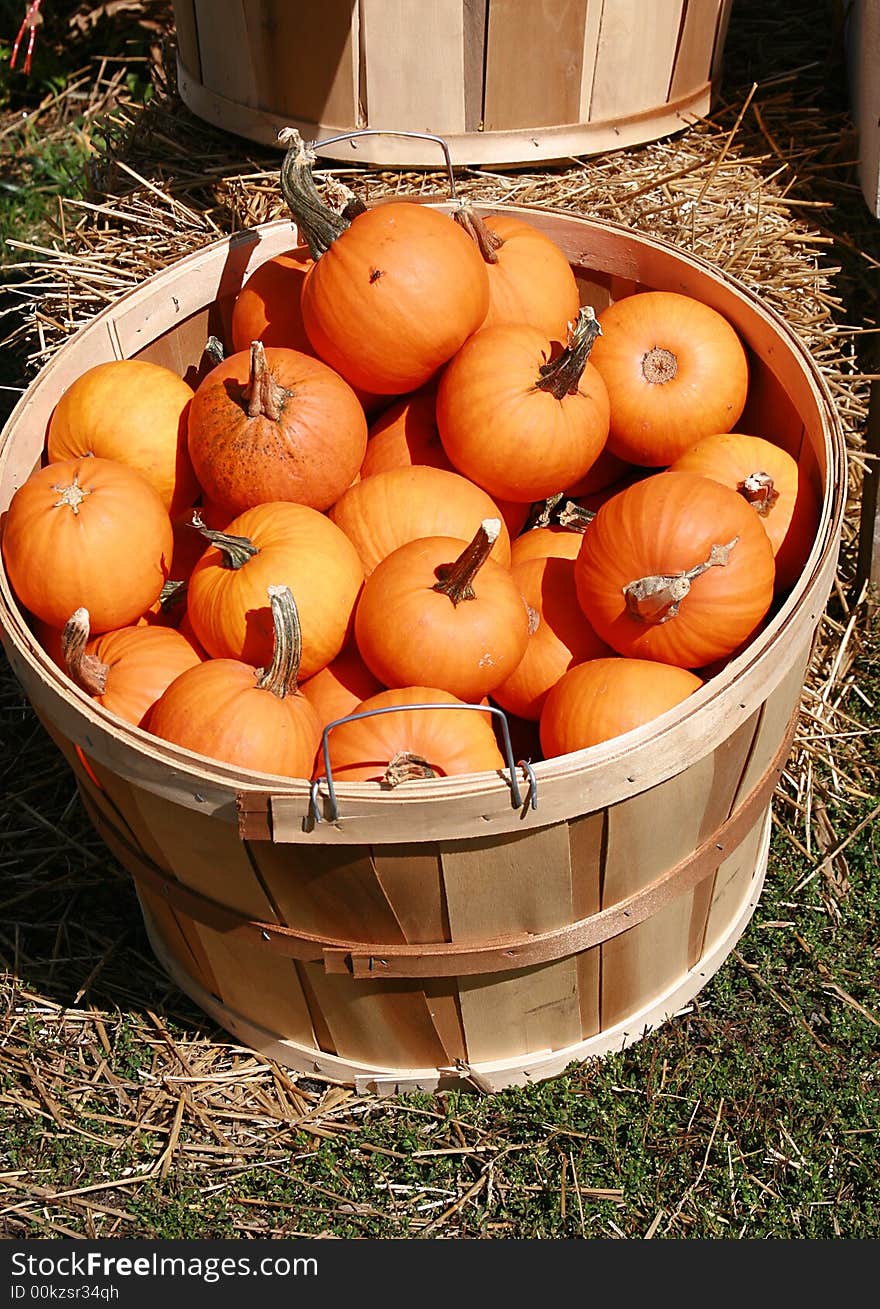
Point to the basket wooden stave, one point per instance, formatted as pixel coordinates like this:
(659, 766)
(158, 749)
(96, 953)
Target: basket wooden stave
(422, 941)
(499, 80)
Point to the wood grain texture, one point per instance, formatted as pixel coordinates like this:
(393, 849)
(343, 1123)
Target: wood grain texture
(227, 54)
(637, 44)
(186, 36)
(534, 56)
(692, 66)
(305, 56)
(414, 66)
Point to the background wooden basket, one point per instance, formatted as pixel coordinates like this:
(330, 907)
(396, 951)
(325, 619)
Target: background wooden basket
(416, 940)
(502, 81)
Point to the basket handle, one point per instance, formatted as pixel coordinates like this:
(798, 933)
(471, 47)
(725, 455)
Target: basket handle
(515, 793)
(385, 131)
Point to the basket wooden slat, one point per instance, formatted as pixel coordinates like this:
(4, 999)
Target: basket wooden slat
(503, 81)
(518, 937)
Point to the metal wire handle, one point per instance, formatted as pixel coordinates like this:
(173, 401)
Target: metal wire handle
(515, 793)
(381, 131)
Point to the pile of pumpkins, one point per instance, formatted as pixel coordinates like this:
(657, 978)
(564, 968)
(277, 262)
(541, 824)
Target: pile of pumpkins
(357, 510)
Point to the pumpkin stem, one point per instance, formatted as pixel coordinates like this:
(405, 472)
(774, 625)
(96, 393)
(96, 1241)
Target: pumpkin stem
(575, 516)
(87, 670)
(561, 377)
(236, 550)
(542, 511)
(72, 495)
(758, 488)
(657, 599)
(406, 767)
(456, 579)
(171, 595)
(488, 242)
(214, 351)
(280, 677)
(318, 225)
(265, 397)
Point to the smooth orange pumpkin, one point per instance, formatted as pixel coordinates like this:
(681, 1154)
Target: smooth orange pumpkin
(89, 532)
(383, 512)
(338, 689)
(405, 744)
(530, 279)
(132, 411)
(675, 370)
(297, 547)
(275, 424)
(439, 610)
(253, 718)
(676, 568)
(603, 698)
(561, 634)
(393, 292)
(126, 670)
(551, 542)
(517, 419)
(267, 308)
(769, 478)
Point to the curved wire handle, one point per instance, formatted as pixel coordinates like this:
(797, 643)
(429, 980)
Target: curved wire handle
(515, 793)
(382, 131)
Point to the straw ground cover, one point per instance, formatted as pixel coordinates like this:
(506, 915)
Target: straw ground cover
(124, 1112)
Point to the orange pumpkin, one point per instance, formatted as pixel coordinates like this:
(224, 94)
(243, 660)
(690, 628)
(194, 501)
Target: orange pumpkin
(253, 718)
(675, 370)
(132, 411)
(530, 279)
(675, 568)
(517, 420)
(561, 634)
(403, 744)
(267, 308)
(383, 512)
(90, 532)
(458, 620)
(769, 478)
(406, 434)
(551, 542)
(275, 424)
(393, 292)
(126, 670)
(296, 546)
(338, 689)
(603, 698)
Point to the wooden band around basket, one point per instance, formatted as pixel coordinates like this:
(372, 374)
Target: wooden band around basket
(450, 958)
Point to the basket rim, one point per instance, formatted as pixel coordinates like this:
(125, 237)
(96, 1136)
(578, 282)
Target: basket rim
(15, 632)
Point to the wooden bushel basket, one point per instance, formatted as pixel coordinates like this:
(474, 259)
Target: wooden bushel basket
(503, 81)
(486, 929)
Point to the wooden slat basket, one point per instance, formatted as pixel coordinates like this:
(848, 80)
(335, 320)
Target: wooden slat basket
(486, 929)
(503, 81)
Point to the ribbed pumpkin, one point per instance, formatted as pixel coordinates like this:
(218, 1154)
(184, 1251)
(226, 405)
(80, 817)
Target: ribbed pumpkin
(405, 744)
(551, 542)
(383, 512)
(407, 434)
(89, 532)
(675, 370)
(441, 608)
(393, 292)
(769, 478)
(135, 412)
(608, 469)
(603, 698)
(126, 670)
(275, 424)
(338, 689)
(253, 718)
(530, 279)
(675, 568)
(517, 418)
(267, 308)
(561, 634)
(297, 547)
